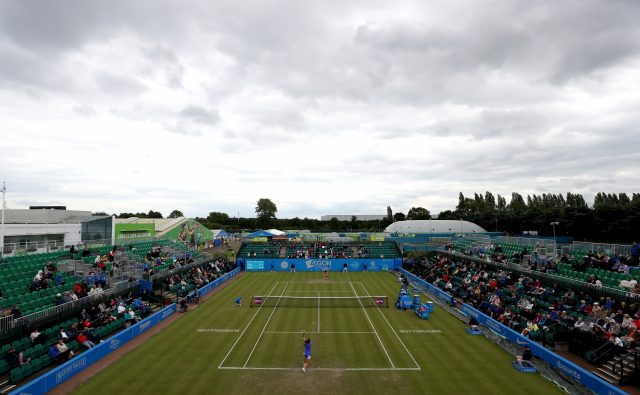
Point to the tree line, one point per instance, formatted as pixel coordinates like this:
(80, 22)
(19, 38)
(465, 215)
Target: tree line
(612, 218)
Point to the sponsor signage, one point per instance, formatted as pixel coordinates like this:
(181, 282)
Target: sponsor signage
(318, 265)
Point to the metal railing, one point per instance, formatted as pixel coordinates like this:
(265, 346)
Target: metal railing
(542, 246)
(608, 249)
(632, 365)
(116, 288)
(32, 247)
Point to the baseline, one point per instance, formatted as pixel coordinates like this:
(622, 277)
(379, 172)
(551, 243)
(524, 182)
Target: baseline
(321, 369)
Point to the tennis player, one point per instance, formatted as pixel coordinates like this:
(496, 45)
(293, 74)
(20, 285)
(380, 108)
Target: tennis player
(325, 273)
(307, 354)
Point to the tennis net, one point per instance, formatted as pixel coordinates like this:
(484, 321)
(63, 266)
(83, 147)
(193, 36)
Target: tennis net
(319, 301)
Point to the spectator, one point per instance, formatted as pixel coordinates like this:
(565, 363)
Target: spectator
(84, 340)
(15, 358)
(67, 297)
(131, 317)
(473, 323)
(83, 315)
(62, 335)
(635, 254)
(63, 352)
(58, 300)
(526, 356)
(15, 312)
(37, 337)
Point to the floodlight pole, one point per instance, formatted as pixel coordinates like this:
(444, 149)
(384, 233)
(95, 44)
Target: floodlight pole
(553, 225)
(4, 191)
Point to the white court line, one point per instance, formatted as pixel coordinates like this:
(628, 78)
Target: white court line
(318, 311)
(324, 333)
(308, 292)
(245, 328)
(265, 326)
(324, 282)
(394, 331)
(320, 369)
(372, 327)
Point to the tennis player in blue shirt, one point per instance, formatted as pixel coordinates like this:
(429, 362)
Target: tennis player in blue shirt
(307, 354)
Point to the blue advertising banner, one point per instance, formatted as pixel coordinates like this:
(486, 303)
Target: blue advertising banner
(318, 265)
(64, 372)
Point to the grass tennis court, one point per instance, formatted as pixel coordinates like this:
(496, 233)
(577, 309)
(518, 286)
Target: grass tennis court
(221, 349)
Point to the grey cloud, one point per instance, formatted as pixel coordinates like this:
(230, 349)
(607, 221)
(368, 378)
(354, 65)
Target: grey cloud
(119, 85)
(183, 128)
(165, 63)
(199, 114)
(84, 109)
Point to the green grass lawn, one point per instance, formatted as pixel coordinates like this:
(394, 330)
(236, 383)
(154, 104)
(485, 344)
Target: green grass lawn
(221, 349)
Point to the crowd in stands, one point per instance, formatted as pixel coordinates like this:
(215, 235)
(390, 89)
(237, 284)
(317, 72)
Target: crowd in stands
(83, 330)
(320, 250)
(588, 262)
(157, 258)
(526, 306)
(197, 277)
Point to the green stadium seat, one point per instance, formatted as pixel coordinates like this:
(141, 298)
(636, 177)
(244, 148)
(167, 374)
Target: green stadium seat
(16, 375)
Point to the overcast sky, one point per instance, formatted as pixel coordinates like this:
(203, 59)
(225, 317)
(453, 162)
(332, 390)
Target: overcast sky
(323, 107)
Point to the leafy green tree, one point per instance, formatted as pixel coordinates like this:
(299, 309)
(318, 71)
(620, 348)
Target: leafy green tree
(154, 214)
(399, 216)
(266, 212)
(418, 213)
(389, 214)
(176, 214)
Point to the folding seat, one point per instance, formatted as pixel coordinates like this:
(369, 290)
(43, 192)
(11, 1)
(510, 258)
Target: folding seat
(38, 350)
(4, 366)
(38, 364)
(25, 343)
(16, 375)
(28, 369)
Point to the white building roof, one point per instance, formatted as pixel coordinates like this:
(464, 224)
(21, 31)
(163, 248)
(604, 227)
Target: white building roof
(434, 226)
(48, 216)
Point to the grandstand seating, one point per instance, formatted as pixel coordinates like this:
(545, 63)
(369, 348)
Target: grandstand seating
(290, 249)
(38, 353)
(609, 278)
(543, 301)
(15, 276)
(17, 273)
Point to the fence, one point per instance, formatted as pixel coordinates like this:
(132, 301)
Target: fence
(608, 249)
(565, 366)
(64, 372)
(37, 247)
(541, 246)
